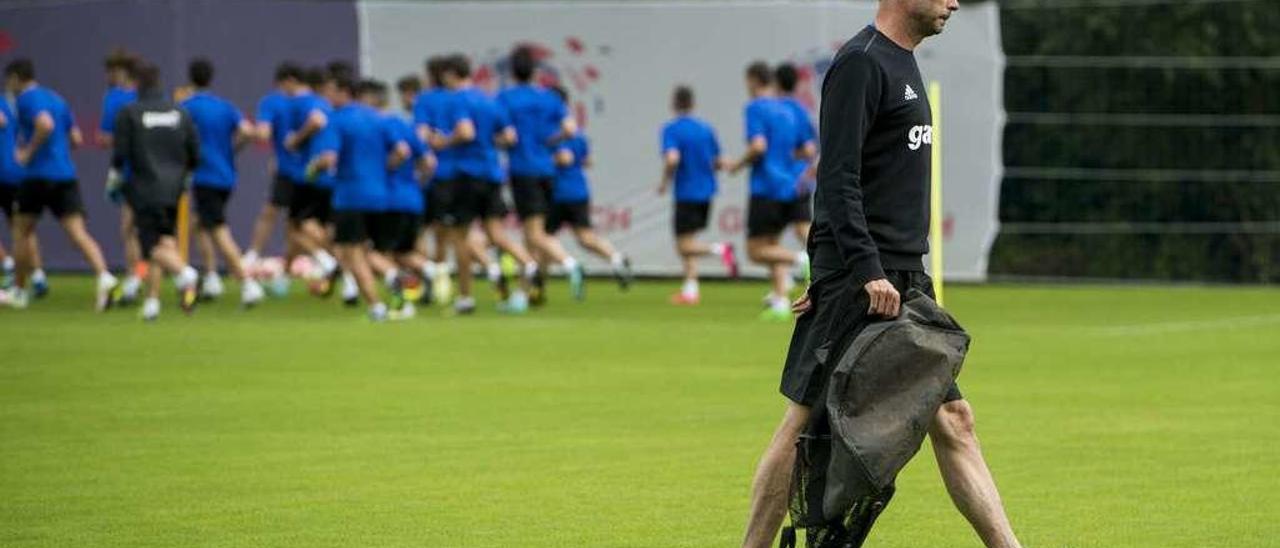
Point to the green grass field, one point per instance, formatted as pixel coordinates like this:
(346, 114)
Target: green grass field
(1111, 416)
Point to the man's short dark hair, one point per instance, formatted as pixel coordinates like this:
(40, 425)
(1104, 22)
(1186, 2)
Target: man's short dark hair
(148, 77)
(523, 63)
(458, 65)
(682, 99)
(340, 68)
(409, 84)
(288, 70)
(315, 76)
(371, 86)
(22, 67)
(201, 72)
(787, 77)
(345, 83)
(759, 73)
(121, 59)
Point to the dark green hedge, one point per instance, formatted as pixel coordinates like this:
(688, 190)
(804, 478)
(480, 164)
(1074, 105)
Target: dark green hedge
(1158, 169)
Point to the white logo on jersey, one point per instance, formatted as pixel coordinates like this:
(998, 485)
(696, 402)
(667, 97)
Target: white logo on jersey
(919, 135)
(910, 95)
(169, 118)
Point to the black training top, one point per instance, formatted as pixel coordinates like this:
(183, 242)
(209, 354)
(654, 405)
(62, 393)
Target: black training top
(158, 142)
(871, 207)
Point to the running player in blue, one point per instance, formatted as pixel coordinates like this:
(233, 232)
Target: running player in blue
(571, 203)
(222, 130)
(806, 161)
(10, 178)
(47, 133)
(691, 158)
(122, 90)
(541, 119)
(359, 147)
(310, 209)
(403, 267)
(772, 145)
(273, 127)
(477, 126)
(428, 114)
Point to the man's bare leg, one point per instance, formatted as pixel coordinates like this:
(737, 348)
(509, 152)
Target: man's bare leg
(263, 227)
(771, 488)
(965, 472)
(74, 226)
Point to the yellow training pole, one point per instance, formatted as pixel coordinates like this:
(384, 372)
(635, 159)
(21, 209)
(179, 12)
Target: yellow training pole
(935, 191)
(184, 227)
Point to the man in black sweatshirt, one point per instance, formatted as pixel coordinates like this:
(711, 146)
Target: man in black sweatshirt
(158, 140)
(869, 235)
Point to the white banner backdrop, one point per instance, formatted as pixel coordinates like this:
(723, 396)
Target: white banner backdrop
(620, 61)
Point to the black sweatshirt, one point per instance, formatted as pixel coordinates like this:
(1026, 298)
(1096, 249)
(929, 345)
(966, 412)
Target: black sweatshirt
(159, 143)
(871, 207)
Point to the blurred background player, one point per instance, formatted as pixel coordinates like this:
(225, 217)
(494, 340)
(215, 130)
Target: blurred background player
(310, 208)
(571, 203)
(222, 131)
(10, 178)
(690, 159)
(541, 119)
(477, 127)
(273, 127)
(359, 148)
(428, 111)
(805, 161)
(122, 89)
(401, 225)
(158, 141)
(47, 134)
(772, 143)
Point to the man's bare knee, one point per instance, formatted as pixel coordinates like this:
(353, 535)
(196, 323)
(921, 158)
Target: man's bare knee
(954, 425)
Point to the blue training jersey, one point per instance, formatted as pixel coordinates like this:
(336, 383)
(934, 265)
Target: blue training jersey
(360, 137)
(217, 122)
(10, 171)
(477, 159)
(571, 180)
(300, 109)
(52, 162)
(429, 110)
(537, 114)
(404, 191)
(273, 109)
(806, 134)
(772, 174)
(695, 177)
(113, 100)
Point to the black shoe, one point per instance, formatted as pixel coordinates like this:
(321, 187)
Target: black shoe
(538, 291)
(624, 275)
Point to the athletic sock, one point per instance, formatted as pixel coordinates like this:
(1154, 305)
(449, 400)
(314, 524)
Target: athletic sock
(105, 279)
(690, 288)
(530, 270)
(250, 257)
(569, 263)
(390, 276)
(429, 270)
(7, 264)
(349, 288)
(151, 307)
(617, 260)
(780, 304)
(494, 271)
(378, 309)
(326, 261)
(802, 260)
(187, 277)
(38, 276)
(718, 248)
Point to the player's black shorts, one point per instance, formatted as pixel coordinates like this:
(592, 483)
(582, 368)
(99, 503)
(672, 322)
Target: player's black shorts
(353, 227)
(8, 199)
(767, 217)
(281, 192)
(211, 206)
(802, 209)
(398, 232)
(691, 217)
(838, 315)
(532, 195)
(470, 199)
(62, 198)
(153, 222)
(311, 202)
(431, 202)
(574, 214)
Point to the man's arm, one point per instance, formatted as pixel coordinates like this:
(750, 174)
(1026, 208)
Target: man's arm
(757, 144)
(670, 161)
(850, 100)
(191, 142)
(43, 127)
(316, 121)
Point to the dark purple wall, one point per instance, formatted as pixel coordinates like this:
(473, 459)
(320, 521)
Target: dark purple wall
(244, 38)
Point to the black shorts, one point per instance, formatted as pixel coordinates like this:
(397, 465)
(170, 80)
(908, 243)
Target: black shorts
(838, 315)
(281, 192)
(574, 214)
(469, 199)
(8, 199)
(691, 217)
(62, 198)
(431, 201)
(397, 232)
(532, 196)
(767, 217)
(356, 227)
(311, 202)
(802, 209)
(153, 222)
(211, 206)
